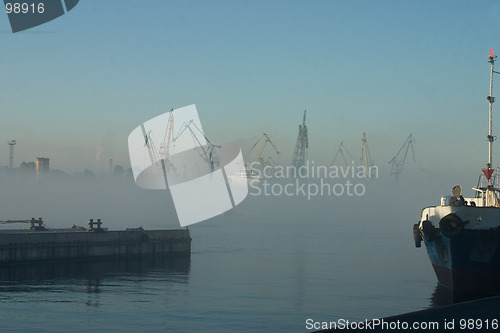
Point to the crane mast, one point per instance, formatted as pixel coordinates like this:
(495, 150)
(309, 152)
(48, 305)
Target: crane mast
(300, 152)
(365, 153)
(165, 146)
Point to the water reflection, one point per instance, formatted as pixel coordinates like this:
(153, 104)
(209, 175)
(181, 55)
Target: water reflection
(37, 276)
(443, 296)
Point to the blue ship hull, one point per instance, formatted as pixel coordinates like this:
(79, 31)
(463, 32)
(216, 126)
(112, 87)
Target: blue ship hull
(468, 261)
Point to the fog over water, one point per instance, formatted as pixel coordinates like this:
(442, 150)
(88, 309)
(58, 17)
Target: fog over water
(63, 200)
(281, 259)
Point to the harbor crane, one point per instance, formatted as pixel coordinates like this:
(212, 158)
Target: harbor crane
(169, 132)
(366, 158)
(153, 154)
(398, 161)
(266, 141)
(206, 152)
(340, 151)
(300, 153)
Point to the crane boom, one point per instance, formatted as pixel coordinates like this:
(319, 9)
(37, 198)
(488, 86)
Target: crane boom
(205, 152)
(34, 223)
(15, 221)
(340, 151)
(267, 140)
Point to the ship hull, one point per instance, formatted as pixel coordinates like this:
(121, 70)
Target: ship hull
(468, 260)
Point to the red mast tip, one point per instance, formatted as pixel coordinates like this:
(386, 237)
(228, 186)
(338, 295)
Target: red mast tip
(491, 53)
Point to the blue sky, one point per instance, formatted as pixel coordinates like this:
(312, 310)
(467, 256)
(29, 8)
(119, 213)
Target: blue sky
(74, 88)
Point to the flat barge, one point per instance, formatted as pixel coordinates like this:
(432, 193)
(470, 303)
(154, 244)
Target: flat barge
(40, 244)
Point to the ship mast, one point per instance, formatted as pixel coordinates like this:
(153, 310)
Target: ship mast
(491, 199)
(491, 99)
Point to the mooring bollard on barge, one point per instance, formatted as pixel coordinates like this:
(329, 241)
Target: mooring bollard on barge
(38, 243)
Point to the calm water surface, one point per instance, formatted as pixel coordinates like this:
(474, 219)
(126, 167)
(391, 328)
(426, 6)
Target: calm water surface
(266, 266)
